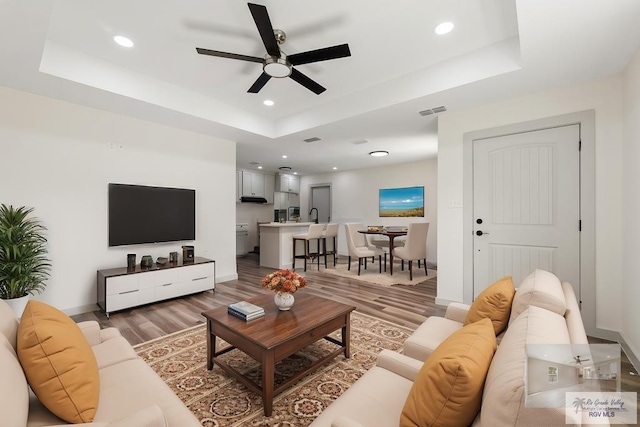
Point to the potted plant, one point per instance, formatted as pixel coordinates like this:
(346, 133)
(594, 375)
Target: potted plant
(24, 266)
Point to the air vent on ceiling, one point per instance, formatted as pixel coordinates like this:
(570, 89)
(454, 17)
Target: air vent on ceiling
(434, 110)
(254, 163)
(284, 168)
(359, 141)
(313, 139)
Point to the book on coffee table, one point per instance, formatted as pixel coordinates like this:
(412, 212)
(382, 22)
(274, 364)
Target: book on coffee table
(245, 310)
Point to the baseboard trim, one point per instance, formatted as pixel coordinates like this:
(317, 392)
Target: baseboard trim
(81, 309)
(220, 279)
(442, 301)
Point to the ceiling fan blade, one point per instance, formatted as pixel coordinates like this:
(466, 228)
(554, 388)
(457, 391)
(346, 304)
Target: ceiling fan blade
(306, 82)
(261, 18)
(324, 54)
(202, 51)
(259, 84)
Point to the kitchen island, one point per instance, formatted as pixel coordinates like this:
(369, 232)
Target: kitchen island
(276, 243)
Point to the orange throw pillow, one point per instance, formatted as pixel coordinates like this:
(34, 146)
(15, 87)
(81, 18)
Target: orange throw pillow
(448, 389)
(58, 363)
(494, 303)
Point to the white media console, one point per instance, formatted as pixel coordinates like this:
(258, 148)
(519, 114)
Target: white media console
(120, 288)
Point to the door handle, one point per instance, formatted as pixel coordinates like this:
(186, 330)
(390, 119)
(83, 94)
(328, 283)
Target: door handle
(480, 233)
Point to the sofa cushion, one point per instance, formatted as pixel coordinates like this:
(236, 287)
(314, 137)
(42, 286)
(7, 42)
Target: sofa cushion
(448, 388)
(503, 399)
(58, 362)
(541, 289)
(493, 303)
(424, 340)
(14, 392)
(8, 323)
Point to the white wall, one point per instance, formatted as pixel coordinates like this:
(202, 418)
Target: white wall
(56, 158)
(631, 207)
(605, 97)
(355, 197)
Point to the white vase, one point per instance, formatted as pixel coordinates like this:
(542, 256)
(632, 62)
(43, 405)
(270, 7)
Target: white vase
(17, 304)
(284, 300)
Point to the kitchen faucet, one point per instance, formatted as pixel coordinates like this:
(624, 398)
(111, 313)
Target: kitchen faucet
(314, 209)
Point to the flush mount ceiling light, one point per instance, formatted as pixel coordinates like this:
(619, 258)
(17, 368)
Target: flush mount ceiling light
(123, 41)
(379, 153)
(443, 28)
(268, 102)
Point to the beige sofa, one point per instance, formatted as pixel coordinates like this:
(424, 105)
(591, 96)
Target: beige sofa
(131, 393)
(543, 311)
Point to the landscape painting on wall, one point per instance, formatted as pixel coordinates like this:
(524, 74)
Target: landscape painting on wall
(402, 202)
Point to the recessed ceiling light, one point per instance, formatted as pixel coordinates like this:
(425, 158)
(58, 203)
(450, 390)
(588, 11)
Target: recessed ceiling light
(284, 156)
(259, 167)
(379, 153)
(443, 28)
(268, 102)
(123, 41)
(295, 173)
(335, 168)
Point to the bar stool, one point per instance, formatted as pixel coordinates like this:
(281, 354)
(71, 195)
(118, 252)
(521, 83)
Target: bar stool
(314, 233)
(331, 232)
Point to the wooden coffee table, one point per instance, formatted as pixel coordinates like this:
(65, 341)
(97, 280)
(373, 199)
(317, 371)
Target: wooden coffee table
(275, 336)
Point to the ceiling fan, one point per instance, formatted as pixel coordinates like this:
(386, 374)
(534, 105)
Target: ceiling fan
(276, 63)
(579, 361)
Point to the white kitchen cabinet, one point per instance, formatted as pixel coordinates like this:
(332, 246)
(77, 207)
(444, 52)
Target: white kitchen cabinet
(120, 288)
(238, 185)
(269, 188)
(286, 183)
(252, 184)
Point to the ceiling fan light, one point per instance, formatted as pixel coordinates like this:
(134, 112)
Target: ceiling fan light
(277, 67)
(379, 153)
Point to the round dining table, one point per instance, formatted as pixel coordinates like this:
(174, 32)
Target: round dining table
(391, 235)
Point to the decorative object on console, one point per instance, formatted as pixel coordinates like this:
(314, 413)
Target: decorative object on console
(173, 256)
(146, 261)
(188, 253)
(162, 260)
(131, 261)
(24, 266)
(284, 283)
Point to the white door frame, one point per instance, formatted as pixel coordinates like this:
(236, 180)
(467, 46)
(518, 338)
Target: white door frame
(586, 120)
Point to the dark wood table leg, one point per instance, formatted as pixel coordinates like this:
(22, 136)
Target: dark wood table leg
(391, 254)
(346, 336)
(211, 346)
(268, 381)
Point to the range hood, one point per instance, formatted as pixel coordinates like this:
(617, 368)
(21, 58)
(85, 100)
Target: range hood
(249, 199)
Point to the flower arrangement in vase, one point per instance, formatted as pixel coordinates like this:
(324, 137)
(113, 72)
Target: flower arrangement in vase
(284, 283)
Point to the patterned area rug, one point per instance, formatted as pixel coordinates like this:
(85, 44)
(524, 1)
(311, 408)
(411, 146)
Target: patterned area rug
(371, 275)
(218, 400)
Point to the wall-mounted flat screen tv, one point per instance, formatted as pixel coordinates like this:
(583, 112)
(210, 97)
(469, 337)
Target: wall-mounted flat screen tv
(140, 214)
(402, 202)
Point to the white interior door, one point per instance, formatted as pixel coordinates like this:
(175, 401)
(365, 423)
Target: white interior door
(321, 200)
(526, 195)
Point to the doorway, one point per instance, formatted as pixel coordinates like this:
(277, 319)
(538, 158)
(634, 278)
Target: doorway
(320, 199)
(526, 189)
(585, 282)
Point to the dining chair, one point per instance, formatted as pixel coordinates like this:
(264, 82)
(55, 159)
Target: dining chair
(358, 246)
(314, 233)
(331, 233)
(415, 247)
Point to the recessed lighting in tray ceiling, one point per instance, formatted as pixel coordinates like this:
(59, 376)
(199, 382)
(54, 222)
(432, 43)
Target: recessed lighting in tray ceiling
(379, 153)
(444, 28)
(123, 41)
(268, 102)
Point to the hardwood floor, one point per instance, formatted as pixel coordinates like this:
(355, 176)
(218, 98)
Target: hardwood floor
(404, 305)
